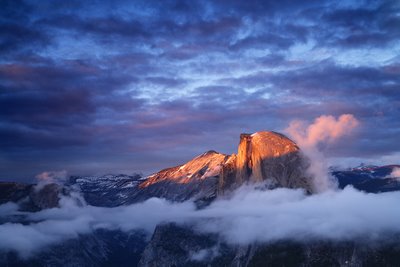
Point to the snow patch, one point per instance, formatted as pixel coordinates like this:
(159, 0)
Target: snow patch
(212, 171)
(181, 167)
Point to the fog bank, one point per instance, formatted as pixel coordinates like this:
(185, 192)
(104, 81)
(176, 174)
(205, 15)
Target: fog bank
(249, 215)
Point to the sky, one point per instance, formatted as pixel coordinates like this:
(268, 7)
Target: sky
(94, 87)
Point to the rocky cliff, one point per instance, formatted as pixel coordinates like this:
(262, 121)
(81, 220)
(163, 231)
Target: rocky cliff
(265, 156)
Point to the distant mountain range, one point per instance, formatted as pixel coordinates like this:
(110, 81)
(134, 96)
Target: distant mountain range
(264, 157)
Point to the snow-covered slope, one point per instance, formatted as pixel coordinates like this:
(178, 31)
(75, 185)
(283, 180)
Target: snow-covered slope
(108, 190)
(372, 179)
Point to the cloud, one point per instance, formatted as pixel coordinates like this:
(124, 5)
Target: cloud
(73, 218)
(50, 177)
(395, 174)
(205, 254)
(266, 216)
(8, 209)
(249, 215)
(325, 130)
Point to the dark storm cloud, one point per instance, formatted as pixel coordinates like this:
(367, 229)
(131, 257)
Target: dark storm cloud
(144, 85)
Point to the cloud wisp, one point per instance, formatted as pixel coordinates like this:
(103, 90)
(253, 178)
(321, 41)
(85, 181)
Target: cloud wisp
(73, 218)
(312, 138)
(249, 215)
(50, 177)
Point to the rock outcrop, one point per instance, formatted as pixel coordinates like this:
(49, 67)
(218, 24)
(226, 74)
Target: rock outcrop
(30, 197)
(47, 197)
(265, 156)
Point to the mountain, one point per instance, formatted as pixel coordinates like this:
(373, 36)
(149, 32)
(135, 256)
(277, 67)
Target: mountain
(267, 157)
(107, 190)
(262, 157)
(372, 179)
(196, 179)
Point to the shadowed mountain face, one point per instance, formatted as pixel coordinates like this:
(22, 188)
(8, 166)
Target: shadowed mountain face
(31, 198)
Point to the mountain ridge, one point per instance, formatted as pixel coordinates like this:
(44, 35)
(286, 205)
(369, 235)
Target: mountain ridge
(262, 156)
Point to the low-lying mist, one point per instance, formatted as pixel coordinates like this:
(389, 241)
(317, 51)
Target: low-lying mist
(249, 215)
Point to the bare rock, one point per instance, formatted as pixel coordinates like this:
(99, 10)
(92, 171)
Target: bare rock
(266, 156)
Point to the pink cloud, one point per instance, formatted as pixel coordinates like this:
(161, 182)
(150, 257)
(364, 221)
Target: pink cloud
(50, 177)
(395, 174)
(325, 129)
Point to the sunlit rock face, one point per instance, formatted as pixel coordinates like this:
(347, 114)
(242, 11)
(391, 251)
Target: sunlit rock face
(262, 156)
(265, 156)
(196, 180)
(206, 165)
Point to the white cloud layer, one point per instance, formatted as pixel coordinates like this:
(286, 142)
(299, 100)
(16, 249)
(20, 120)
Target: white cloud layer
(247, 216)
